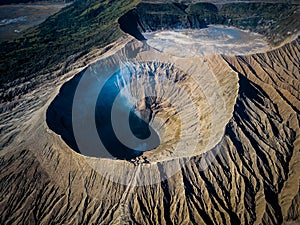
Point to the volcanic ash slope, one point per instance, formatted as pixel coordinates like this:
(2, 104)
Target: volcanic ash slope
(254, 178)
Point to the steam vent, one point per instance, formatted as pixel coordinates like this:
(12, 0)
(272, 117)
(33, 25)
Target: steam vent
(152, 112)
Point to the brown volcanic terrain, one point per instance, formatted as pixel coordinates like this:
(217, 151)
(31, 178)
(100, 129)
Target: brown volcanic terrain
(253, 180)
(254, 176)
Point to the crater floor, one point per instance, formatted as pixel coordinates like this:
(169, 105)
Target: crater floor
(207, 41)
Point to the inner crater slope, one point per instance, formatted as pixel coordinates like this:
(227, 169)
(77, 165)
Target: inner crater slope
(141, 102)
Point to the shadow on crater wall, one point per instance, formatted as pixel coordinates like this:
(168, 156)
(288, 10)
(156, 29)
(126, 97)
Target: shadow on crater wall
(59, 119)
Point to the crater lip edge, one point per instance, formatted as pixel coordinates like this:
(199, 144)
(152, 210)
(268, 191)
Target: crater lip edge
(68, 90)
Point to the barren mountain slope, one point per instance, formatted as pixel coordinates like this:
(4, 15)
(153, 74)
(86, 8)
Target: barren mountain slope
(253, 180)
(249, 174)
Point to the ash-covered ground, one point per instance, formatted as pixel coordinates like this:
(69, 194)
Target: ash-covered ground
(208, 41)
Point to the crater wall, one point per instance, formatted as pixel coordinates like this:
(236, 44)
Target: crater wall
(276, 21)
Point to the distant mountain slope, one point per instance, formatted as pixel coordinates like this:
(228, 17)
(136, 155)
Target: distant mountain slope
(5, 2)
(74, 31)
